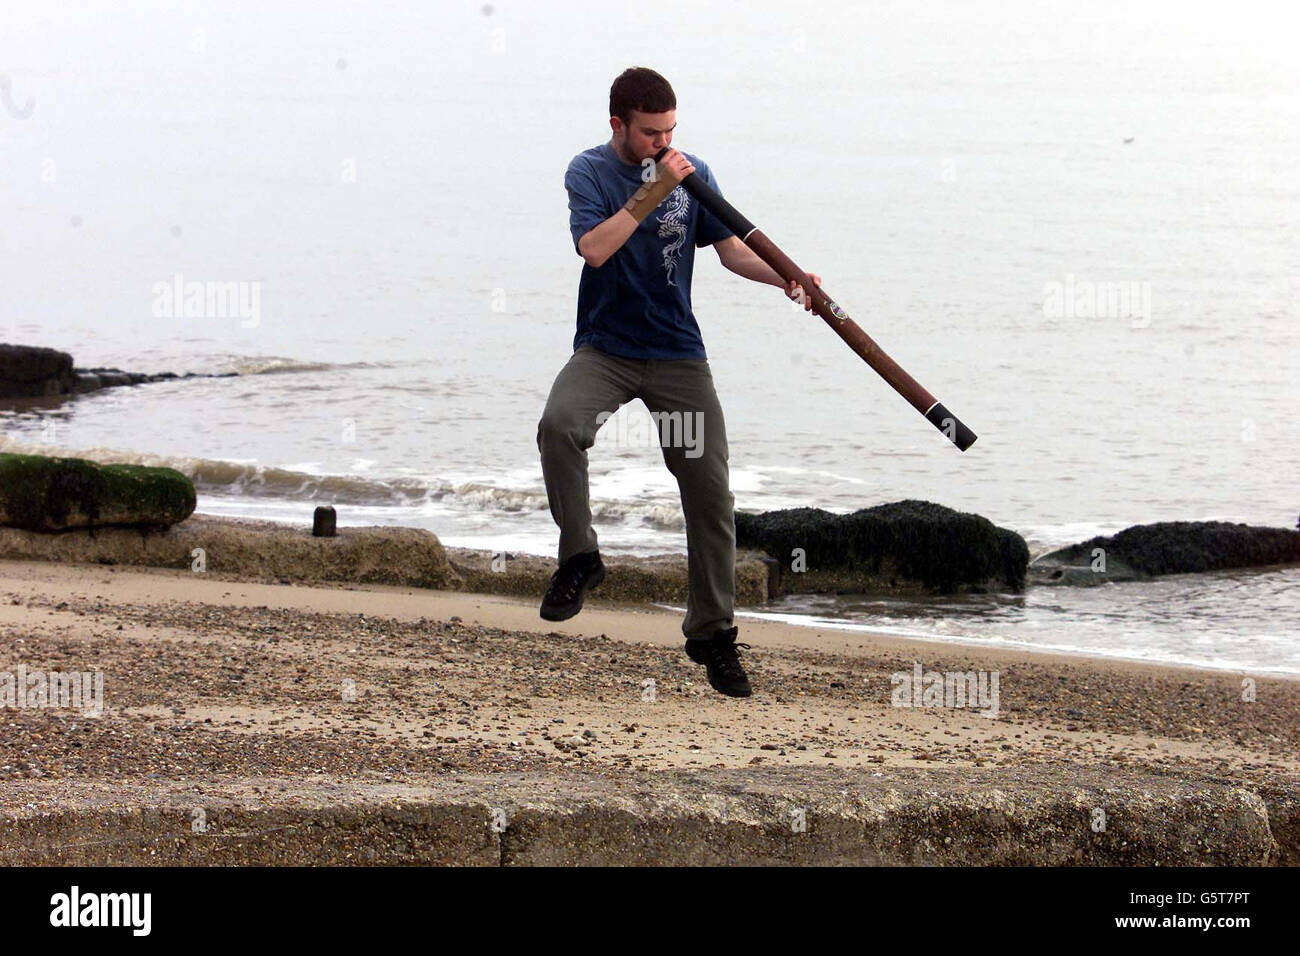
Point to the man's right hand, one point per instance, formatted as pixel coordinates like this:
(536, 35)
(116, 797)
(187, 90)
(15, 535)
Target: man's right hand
(667, 174)
(676, 166)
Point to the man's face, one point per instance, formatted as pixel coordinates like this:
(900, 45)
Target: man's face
(645, 135)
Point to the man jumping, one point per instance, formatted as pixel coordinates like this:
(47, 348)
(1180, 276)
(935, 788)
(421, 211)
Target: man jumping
(637, 231)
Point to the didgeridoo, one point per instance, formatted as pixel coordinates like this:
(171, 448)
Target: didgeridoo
(920, 399)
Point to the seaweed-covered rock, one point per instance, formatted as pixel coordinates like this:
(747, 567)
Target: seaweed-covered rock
(28, 371)
(897, 547)
(38, 493)
(1167, 547)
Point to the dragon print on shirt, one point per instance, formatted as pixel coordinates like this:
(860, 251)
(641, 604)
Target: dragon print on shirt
(672, 225)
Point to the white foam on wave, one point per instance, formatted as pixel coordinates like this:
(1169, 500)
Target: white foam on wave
(277, 364)
(246, 478)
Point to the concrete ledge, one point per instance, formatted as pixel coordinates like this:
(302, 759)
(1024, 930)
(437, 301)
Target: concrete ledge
(946, 817)
(242, 549)
(252, 550)
(659, 578)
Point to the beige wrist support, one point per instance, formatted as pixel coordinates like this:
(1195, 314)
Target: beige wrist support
(651, 194)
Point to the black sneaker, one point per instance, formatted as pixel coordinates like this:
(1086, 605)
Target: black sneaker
(719, 657)
(569, 583)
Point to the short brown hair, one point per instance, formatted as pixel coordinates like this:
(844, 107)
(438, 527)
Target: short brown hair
(642, 89)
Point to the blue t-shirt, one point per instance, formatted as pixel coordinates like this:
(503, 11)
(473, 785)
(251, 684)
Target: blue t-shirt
(638, 304)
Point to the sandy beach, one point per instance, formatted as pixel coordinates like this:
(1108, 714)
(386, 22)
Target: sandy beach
(478, 681)
(215, 683)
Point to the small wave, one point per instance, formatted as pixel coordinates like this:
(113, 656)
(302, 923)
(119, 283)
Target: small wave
(663, 517)
(271, 366)
(249, 479)
(274, 365)
(491, 498)
(483, 497)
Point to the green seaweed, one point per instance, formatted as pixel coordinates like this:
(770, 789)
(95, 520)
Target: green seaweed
(41, 493)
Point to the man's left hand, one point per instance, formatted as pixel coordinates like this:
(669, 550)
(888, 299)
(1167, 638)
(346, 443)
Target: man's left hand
(796, 292)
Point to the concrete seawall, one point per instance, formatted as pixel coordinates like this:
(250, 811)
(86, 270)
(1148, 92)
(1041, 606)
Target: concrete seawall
(798, 816)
